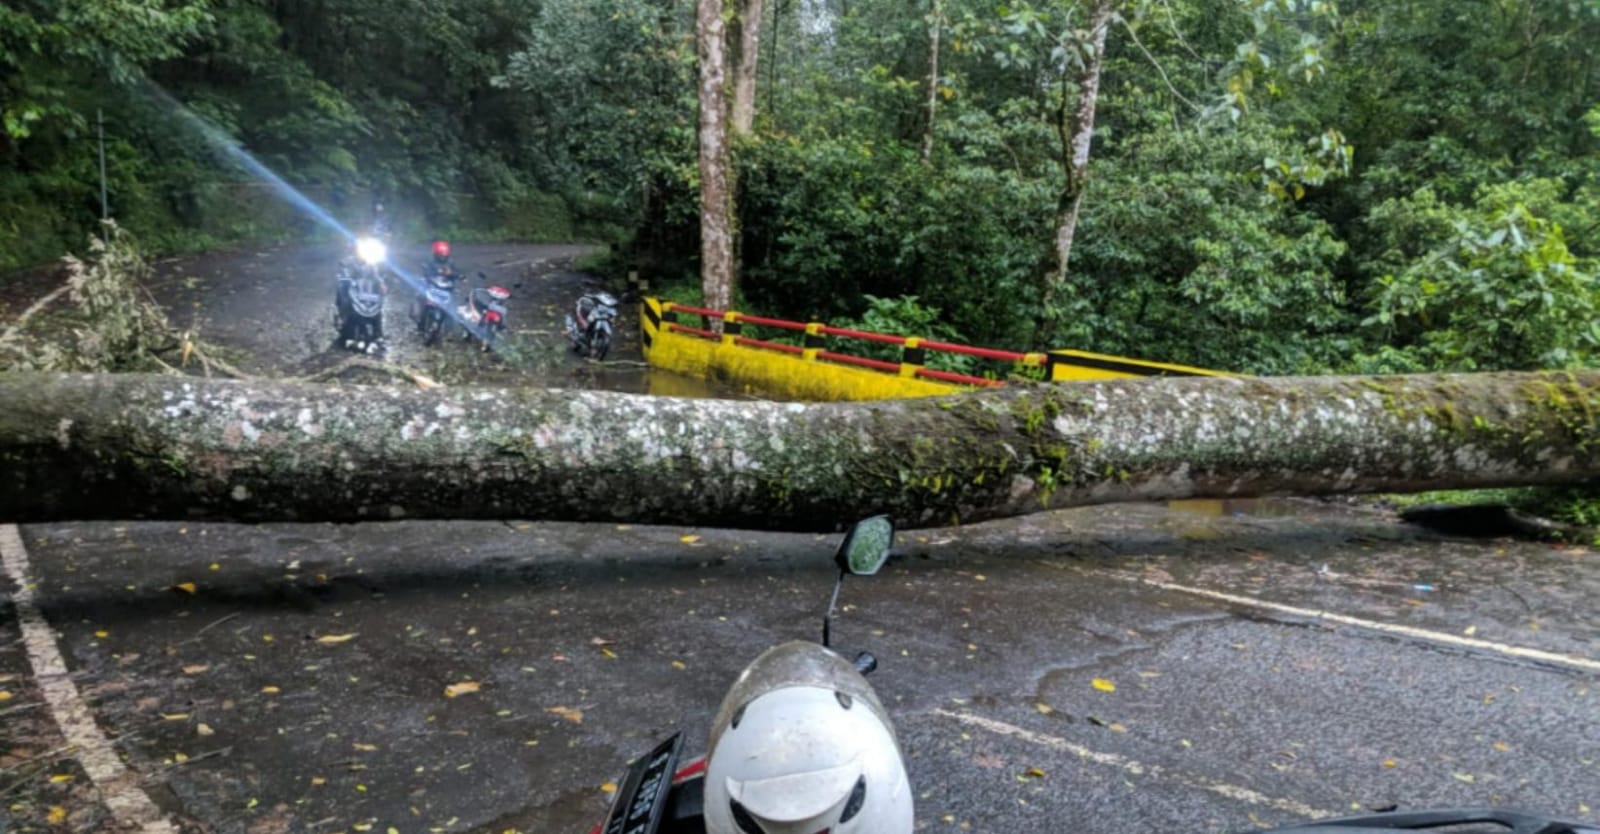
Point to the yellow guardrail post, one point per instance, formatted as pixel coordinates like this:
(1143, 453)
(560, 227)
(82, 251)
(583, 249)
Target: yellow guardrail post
(911, 356)
(730, 327)
(813, 342)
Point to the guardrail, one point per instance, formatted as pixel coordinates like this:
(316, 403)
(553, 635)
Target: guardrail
(913, 350)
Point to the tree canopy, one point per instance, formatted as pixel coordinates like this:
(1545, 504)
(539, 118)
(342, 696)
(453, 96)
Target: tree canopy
(1272, 186)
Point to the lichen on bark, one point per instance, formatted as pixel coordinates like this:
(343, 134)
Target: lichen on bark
(151, 446)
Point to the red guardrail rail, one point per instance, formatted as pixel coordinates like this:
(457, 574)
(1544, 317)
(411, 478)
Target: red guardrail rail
(911, 346)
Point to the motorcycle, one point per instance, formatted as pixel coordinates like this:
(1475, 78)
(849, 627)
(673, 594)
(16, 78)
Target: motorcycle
(358, 301)
(589, 326)
(431, 310)
(484, 314)
(845, 772)
(800, 743)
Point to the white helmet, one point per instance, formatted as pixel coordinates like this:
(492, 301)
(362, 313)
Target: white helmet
(801, 745)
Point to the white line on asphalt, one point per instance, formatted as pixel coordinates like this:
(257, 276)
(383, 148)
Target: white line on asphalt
(119, 787)
(1573, 661)
(1135, 768)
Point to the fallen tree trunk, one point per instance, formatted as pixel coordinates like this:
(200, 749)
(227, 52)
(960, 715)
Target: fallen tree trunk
(162, 447)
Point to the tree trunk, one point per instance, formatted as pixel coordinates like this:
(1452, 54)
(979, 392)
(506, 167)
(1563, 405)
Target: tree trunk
(1075, 128)
(716, 196)
(934, 25)
(748, 24)
(131, 446)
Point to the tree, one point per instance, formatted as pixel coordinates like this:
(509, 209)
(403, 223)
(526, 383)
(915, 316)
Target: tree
(748, 26)
(716, 193)
(132, 446)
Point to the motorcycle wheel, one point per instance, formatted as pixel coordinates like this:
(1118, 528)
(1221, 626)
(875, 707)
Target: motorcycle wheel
(432, 326)
(600, 345)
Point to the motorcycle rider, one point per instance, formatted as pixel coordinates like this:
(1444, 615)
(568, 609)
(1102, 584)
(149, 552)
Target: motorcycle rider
(439, 263)
(360, 271)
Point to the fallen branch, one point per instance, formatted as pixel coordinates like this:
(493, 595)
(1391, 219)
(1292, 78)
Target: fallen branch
(16, 326)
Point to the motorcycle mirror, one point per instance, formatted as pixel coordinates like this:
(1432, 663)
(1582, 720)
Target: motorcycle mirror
(866, 547)
(864, 550)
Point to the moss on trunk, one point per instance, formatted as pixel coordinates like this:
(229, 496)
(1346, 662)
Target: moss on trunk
(165, 447)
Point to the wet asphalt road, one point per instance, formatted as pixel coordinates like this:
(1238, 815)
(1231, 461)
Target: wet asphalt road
(318, 658)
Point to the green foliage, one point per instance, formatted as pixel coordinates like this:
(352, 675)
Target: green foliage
(905, 316)
(1488, 286)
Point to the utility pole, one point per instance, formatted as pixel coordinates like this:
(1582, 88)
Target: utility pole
(105, 207)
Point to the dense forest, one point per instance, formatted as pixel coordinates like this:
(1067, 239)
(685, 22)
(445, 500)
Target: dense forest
(1272, 186)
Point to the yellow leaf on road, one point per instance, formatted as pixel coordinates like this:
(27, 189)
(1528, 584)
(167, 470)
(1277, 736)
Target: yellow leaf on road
(573, 715)
(1103, 685)
(270, 690)
(1044, 708)
(176, 716)
(195, 668)
(57, 815)
(205, 730)
(365, 747)
(609, 787)
(186, 587)
(102, 634)
(58, 778)
(4, 695)
(331, 639)
(678, 664)
(689, 539)
(1470, 630)
(1034, 772)
(1464, 777)
(1502, 747)
(1389, 763)
(461, 688)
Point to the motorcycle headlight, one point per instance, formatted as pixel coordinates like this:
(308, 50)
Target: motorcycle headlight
(371, 251)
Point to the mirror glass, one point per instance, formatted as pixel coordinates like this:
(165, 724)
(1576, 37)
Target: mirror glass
(867, 546)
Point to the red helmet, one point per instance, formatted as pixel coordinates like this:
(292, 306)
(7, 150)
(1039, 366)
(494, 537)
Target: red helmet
(441, 249)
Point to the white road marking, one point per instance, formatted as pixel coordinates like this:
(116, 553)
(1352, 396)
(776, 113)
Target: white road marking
(1446, 638)
(1135, 768)
(118, 786)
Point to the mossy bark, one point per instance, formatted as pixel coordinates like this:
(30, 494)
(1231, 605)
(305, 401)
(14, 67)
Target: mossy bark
(129, 446)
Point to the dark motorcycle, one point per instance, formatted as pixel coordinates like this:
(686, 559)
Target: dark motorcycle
(431, 311)
(589, 326)
(358, 300)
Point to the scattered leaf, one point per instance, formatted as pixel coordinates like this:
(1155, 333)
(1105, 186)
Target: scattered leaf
(609, 653)
(102, 634)
(689, 539)
(57, 815)
(175, 716)
(205, 730)
(1044, 708)
(1470, 630)
(1502, 747)
(573, 715)
(365, 747)
(252, 803)
(186, 587)
(678, 664)
(609, 787)
(1117, 727)
(980, 577)
(1465, 777)
(1185, 742)
(6, 696)
(58, 778)
(600, 641)
(1103, 685)
(1390, 763)
(180, 758)
(318, 780)
(270, 690)
(331, 639)
(461, 688)
(195, 668)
